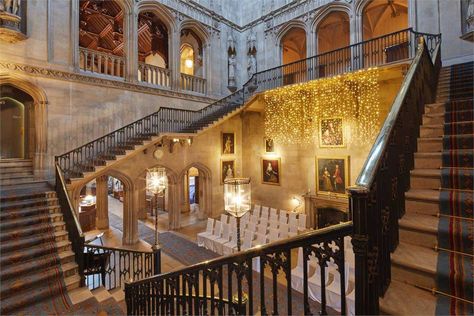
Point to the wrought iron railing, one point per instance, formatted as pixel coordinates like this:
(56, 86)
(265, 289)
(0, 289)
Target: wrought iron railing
(377, 200)
(72, 222)
(154, 75)
(192, 83)
(111, 267)
(102, 63)
(374, 52)
(236, 284)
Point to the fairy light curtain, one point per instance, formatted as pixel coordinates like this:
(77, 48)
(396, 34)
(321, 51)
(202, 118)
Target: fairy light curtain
(292, 113)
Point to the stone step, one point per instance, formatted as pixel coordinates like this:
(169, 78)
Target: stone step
(422, 201)
(79, 295)
(72, 282)
(8, 224)
(419, 229)
(431, 130)
(435, 108)
(428, 160)
(406, 299)
(69, 269)
(16, 174)
(28, 203)
(27, 242)
(9, 189)
(118, 294)
(101, 294)
(8, 170)
(19, 180)
(7, 196)
(433, 118)
(14, 163)
(415, 265)
(425, 179)
(430, 144)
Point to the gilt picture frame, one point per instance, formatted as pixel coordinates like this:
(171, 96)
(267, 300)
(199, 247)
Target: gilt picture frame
(332, 175)
(332, 132)
(228, 143)
(271, 170)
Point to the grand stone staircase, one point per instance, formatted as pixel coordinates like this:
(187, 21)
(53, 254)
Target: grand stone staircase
(38, 272)
(416, 270)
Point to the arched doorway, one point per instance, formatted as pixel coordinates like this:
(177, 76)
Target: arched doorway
(191, 53)
(336, 22)
(153, 52)
(293, 48)
(17, 130)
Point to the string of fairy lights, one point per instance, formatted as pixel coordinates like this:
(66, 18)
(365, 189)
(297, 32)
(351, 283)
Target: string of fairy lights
(292, 113)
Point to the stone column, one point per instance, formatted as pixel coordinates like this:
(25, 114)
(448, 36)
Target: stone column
(185, 205)
(174, 209)
(131, 46)
(174, 59)
(141, 192)
(203, 203)
(41, 139)
(102, 203)
(130, 218)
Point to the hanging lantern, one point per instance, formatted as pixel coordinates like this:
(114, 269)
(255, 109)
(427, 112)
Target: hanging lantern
(237, 197)
(156, 183)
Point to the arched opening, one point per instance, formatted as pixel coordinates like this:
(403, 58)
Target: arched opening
(382, 17)
(101, 37)
(153, 50)
(336, 22)
(192, 197)
(191, 53)
(17, 130)
(293, 45)
(158, 205)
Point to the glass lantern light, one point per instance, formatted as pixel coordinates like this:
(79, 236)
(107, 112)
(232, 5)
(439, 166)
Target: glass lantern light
(237, 200)
(156, 184)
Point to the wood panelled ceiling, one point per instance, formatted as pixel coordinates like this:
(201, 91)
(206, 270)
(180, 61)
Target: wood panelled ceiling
(101, 29)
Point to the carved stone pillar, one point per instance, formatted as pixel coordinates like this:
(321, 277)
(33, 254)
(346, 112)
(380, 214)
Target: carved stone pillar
(12, 27)
(174, 207)
(41, 144)
(185, 205)
(102, 203)
(174, 59)
(130, 218)
(131, 46)
(141, 192)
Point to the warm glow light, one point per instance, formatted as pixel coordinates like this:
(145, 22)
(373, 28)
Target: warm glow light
(292, 113)
(237, 200)
(188, 63)
(156, 183)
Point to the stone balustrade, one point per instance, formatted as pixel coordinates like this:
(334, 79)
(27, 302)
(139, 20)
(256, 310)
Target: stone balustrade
(154, 75)
(101, 63)
(192, 83)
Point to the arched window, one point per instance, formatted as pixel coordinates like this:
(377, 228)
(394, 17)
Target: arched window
(293, 45)
(333, 32)
(101, 37)
(187, 59)
(382, 17)
(191, 61)
(152, 50)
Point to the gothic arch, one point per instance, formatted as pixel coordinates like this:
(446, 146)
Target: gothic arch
(159, 10)
(205, 176)
(197, 28)
(293, 52)
(287, 27)
(40, 117)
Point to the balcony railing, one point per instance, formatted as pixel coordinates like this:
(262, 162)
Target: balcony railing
(154, 75)
(192, 83)
(256, 280)
(101, 63)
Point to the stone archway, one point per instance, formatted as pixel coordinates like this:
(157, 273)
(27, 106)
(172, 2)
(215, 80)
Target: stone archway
(40, 118)
(205, 189)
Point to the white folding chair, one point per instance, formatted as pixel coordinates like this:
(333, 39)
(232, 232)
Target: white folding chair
(264, 213)
(297, 273)
(248, 238)
(302, 221)
(224, 218)
(203, 235)
(209, 241)
(293, 231)
(283, 229)
(333, 290)
(256, 210)
(292, 217)
(314, 283)
(263, 221)
(231, 246)
(233, 223)
(252, 226)
(262, 229)
(219, 242)
(254, 219)
(283, 218)
(260, 240)
(273, 236)
(273, 225)
(273, 215)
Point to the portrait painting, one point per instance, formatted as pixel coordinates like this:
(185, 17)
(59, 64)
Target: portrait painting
(271, 171)
(331, 132)
(227, 170)
(228, 143)
(269, 148)
(332, 175)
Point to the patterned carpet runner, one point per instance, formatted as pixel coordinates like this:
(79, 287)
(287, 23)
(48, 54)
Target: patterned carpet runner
(455, 230)
(30, 270)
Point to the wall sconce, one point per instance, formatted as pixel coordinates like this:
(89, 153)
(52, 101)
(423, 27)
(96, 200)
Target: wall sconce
(296, 202)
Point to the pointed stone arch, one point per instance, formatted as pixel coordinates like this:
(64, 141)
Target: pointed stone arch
(205, 189)
(286, 30)
(40, 114)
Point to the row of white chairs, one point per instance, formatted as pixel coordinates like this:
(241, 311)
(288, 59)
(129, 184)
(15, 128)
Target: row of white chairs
(265, 213)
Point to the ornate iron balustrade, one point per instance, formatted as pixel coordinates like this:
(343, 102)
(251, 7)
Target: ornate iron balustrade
(192, 83)
(154, 75)
(377, 200)
(72, 222)
(111, 267)
(230, 285)
(374, 52)
(102, 63)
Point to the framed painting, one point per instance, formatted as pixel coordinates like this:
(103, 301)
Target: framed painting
(228, 143)
(227, 170)
(271, 171)
(331, 132)
(269, 146)
(332, 175)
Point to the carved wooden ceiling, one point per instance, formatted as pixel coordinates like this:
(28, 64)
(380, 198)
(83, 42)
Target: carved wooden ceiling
(101, 29)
